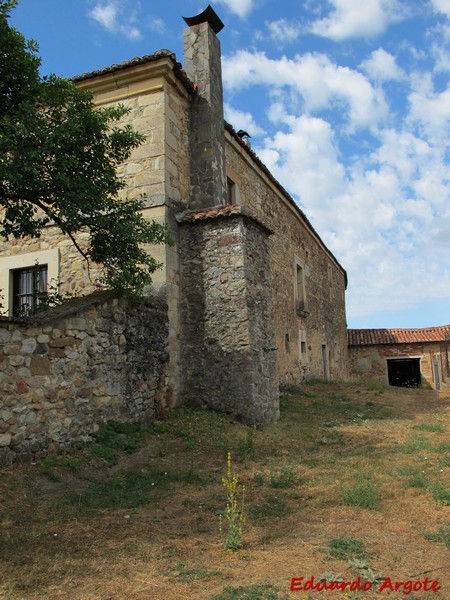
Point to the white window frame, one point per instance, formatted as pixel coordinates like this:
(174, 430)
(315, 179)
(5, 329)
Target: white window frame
(8, 264)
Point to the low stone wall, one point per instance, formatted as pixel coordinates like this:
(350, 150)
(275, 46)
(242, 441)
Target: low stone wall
(66, 373)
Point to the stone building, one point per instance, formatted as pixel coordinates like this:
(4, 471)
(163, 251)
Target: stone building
(403, 357)
(254, 296)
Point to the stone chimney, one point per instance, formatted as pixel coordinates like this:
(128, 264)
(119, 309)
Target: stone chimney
(201, 51)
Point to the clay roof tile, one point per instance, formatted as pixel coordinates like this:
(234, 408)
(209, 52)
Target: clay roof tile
(373, 337)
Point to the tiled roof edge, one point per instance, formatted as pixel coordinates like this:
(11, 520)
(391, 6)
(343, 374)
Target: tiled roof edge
(158, 55)
(375, 337)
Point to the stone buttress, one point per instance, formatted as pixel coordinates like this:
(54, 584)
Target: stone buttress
(227, 341)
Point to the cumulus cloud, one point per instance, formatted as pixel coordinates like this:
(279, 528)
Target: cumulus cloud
(382, 66)
(242, 120)
(371, 210)
(110, 16)
(320, 83)
(351, 19)
(430, 109)
(442, 6)
(283, 31)
(239, 7)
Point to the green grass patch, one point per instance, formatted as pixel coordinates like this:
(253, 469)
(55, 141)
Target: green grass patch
(50, 463)
(114, 437)
(270, 507)
(128, 489)
(346, 548)
(416, 444)
(282, 475)
(186, 574)
(265, 591)
(441, 493)
(430, 427)
(363, 492)
(442, 448)
(442, 535)
(418, 480)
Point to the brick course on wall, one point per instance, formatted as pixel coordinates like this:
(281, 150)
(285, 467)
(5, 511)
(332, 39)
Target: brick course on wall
(63, 375)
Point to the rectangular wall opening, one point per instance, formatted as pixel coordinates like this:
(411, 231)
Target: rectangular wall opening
(404, 372)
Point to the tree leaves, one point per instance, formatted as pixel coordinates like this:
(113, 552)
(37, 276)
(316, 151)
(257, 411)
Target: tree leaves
(58, 164)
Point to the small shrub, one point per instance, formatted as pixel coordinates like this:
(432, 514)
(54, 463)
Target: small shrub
(232, 539)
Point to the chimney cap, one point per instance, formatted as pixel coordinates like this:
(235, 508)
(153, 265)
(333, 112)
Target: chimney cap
(209, 16)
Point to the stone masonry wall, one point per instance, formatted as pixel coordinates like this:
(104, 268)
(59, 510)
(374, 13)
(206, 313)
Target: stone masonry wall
(145, 176)
(77, 367)
(227, 340)
(293, 240)
(371, 361)
(201, 52)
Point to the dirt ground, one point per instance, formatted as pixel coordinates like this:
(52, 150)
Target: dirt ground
(353, 481)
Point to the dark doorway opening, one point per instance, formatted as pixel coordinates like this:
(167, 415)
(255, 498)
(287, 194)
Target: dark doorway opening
(404, 372)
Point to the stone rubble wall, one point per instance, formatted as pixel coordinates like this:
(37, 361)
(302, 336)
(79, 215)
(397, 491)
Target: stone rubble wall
(294, 241)
(227, 345)
(78, 366)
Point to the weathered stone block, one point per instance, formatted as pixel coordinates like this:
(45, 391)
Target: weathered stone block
(5, 439)
(40, 365)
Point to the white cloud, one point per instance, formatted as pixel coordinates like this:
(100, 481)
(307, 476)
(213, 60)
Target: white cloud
(382, 66)
(106, 15)
(372, 211)
(240, 7)
(110, 16)
(157, 25)
(430, 110)
(305, 158)
(442, 6)
(283, 31)
(351, 19)
(320, 83)
(242, 120)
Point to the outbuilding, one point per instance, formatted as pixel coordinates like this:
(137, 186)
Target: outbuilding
(401, 357)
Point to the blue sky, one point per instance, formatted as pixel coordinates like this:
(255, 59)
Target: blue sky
(348, 104)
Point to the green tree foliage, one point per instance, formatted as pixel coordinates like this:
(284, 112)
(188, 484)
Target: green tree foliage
(58, 161)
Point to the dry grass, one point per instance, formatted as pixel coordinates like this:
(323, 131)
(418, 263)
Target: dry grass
(92, 530)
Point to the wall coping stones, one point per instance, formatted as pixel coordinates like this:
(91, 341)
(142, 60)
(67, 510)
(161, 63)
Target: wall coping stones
(221, 212)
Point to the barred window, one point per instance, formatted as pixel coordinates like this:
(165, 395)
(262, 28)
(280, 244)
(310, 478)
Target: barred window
(29, 289)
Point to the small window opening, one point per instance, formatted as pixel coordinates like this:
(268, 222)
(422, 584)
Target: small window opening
(287, 343)
(231, 191)
(29, 289)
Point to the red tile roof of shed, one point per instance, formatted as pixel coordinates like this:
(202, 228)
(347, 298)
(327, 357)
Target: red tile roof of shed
(372, 337)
